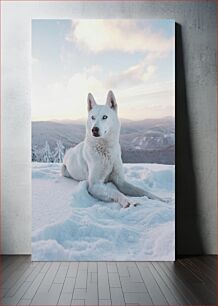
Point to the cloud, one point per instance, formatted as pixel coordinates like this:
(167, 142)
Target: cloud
(136, 88)
(94, 69)
(154, 101)
(147, 89)
(66, 98)
(125, 36)
(134, 75)
(118, 35)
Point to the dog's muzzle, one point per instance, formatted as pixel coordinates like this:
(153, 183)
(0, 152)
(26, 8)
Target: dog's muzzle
(95, 131)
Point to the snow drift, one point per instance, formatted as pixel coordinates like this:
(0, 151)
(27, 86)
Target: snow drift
(69, 224)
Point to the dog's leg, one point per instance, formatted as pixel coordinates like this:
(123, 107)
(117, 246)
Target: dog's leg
(131, 190)
(64, 171)
(104, 192)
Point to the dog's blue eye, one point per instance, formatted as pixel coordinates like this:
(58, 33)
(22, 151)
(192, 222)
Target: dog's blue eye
(104, 117)
(93, 118)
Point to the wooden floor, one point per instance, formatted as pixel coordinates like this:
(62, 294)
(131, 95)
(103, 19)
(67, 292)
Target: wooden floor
(188, 281)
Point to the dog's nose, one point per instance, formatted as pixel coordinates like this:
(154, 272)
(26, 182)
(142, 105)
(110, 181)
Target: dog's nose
(95, 130)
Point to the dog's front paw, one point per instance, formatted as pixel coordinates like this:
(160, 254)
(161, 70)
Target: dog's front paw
(126, 205)
(167, 200)
(129, 203)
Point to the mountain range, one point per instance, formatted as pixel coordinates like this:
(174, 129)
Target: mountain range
(145, 141)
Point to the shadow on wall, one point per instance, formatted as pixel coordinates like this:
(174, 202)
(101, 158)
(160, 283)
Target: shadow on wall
(188, 234)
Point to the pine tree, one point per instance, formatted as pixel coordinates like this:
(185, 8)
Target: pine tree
(46, 154)
(59, 152)
(35, 154)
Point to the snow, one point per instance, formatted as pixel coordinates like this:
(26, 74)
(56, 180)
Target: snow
(69, 224)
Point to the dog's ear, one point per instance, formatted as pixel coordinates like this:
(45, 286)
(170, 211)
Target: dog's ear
(90, 102)
(111, 101)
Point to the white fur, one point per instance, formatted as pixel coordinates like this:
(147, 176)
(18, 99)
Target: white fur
(98, 159)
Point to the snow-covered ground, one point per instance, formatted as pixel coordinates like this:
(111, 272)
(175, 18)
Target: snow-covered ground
(69, 224)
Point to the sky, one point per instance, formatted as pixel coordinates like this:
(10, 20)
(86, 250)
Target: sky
(134, 58)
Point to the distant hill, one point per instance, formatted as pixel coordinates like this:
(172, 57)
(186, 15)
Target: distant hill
(145, 141)
(70, 134)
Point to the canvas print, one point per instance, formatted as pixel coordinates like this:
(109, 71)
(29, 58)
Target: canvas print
(103, 140)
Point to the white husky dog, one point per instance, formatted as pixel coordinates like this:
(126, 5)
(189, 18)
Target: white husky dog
(98, 158)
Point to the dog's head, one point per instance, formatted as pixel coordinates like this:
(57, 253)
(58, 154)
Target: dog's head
(102, 119)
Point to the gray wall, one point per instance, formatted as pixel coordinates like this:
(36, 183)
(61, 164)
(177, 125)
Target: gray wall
(195, 110)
